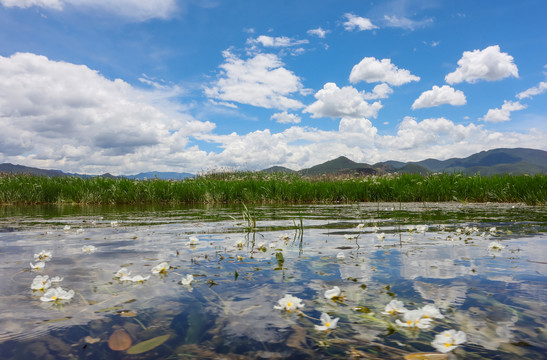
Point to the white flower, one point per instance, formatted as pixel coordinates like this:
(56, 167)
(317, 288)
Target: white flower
(288, 303)
(448, 340)
(193, 241)
(360, 226)
(89, 249)
(38, 266)
(495, 246)
(333, 293)
(493, 230)
(431, 311)
(414, 319)
(327, 323)
(56, 294)
(375, 229)
(42, 256)
(136, 278)
(186, 281)
(80, 231)
(122, 272)
(422, 228)
(41, 283)
(66, 228)
(340, 255)
(114, 223)
(381, 236)
(394, 307)
(161, 268)
(410, 229)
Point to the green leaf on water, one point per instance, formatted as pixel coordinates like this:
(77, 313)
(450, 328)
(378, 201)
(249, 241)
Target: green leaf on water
(147, 345)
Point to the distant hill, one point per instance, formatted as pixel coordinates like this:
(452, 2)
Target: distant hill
(340, 165)
(278, 169)
(160, 175)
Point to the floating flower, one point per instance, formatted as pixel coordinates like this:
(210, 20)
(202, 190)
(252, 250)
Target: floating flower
(327, 323)
(161, 268)
(431, 311)
(122, 272)
(38, 266)
(88, 249)
(448, 340)
(114, 223)
(42, 256)
(186, 281)
(340, 255)
(193, 241)
(422, 228)
(414, 319)
(66, 228)
(288, 303)
(495, 246)
(333, 293)
(492, 230)
(360, 226)
(394, 307)
(80, 231)
(136, 278)
(57, 294)
(381, 236)
(40, 283)
(375, 229)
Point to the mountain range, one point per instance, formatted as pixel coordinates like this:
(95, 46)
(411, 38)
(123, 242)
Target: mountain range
(497, 161)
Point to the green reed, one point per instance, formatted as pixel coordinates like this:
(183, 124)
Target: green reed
(252, 187)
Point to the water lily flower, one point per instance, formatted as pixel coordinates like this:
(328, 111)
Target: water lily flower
(136, 278)
(448, 340)
(114, 223)
(161, 268)
(80, 231)
(66, 228)
(193, 241)
(186, 281)
(360, 226)
(333, 293)
(422, 228)
(38, 266)
(381, 236)
(495, 246)
(122, 272)
(394, 307)
(492, 230)
(340, 255)
(375, 229)
(414, 319)
(327, 323)
(57, 294)
(41, 283)
(288, 303)
(42, 256)
(431, 311)
(89, 249)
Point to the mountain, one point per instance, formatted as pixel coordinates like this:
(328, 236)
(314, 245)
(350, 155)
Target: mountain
(340, 165)
(160, 175)
(278, 169)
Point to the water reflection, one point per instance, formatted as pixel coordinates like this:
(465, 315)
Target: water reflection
(497, 297)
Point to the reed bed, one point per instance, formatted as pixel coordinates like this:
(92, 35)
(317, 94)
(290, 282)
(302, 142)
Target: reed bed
(253, 187)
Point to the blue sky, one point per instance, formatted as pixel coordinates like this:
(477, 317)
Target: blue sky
(125, 86)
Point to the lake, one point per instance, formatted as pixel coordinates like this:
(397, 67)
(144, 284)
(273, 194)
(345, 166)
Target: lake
(477, 269)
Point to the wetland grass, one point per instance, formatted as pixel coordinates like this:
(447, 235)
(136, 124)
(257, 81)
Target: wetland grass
(252, 187)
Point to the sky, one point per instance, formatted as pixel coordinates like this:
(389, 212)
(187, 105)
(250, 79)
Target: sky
(130, 86)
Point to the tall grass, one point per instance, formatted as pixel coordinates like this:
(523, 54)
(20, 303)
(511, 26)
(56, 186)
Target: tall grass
(249, 187)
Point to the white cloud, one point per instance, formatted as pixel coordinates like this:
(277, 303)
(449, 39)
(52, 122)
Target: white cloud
(61, 115)
(533, 91)
(380, 91)
(504, 113)
(345, 102)
(286, 118)
(259, 81)
(135, 9)
(319, 32)
(356, 22)
(489, 64)
(282, 41)
(439, 96)
(405, 23)
(373, 70)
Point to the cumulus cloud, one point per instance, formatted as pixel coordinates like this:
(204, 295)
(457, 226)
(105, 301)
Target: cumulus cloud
(533, 91)
(62, 115)
(281, 41)
(286, 118)
(335, 102)
(319, 32)
(136, 9)
(380, 91)
(489, 64)
(260, 81)
(405, 23)
(504, 113)
(356, 22)
(439, 96)
(373, 70)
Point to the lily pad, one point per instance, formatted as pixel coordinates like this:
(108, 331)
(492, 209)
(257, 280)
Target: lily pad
(148, 345)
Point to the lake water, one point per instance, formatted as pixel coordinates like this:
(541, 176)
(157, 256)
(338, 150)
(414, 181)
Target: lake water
(483, 266)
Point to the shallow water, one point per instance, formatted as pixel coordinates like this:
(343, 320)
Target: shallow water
(497, 297)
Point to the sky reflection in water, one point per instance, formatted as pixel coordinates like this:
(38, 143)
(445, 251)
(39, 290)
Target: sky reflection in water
(497, 297)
